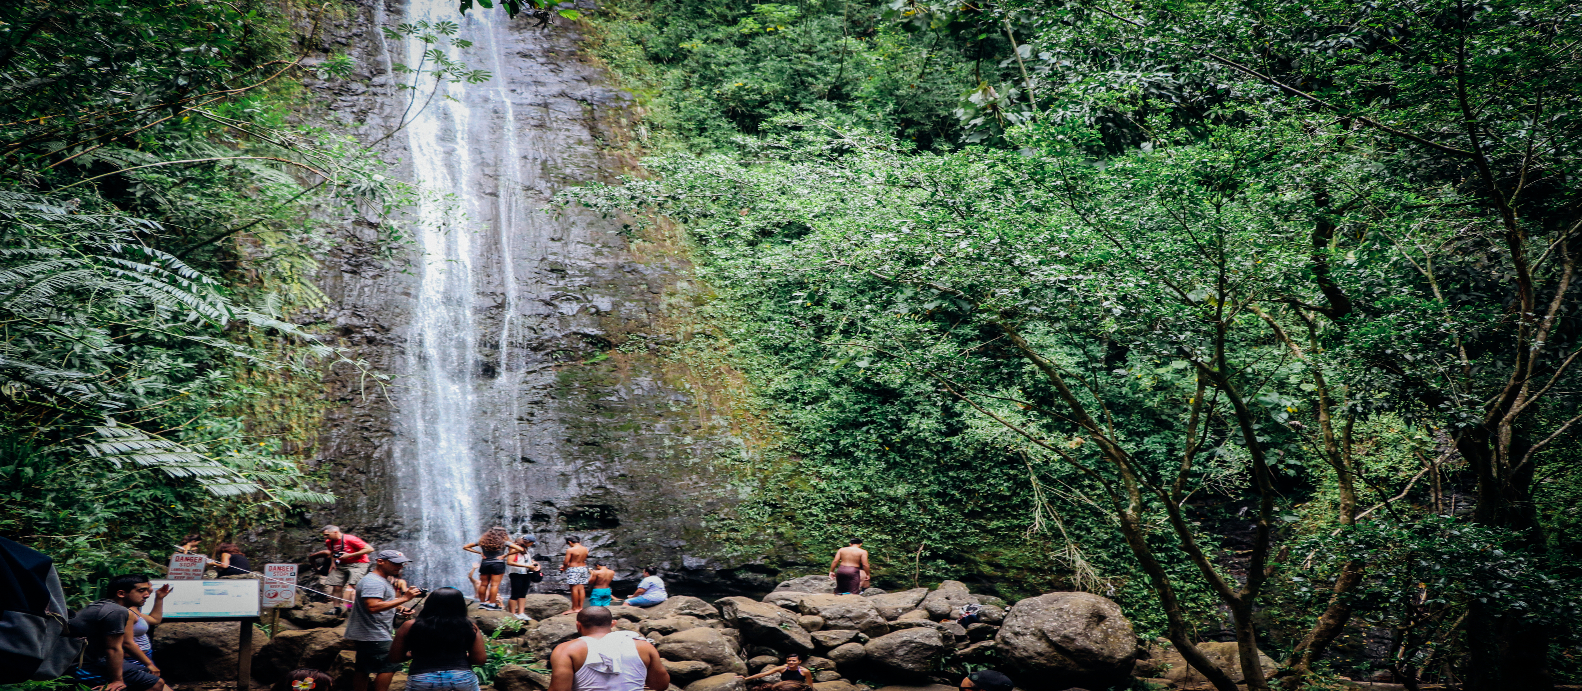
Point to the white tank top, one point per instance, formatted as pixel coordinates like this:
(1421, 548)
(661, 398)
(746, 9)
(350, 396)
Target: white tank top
(613, 664)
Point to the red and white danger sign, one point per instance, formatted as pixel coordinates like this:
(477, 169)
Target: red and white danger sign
(186, 567)
(280, 585)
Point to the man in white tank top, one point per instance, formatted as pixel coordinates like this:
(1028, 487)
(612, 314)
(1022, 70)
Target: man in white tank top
(604, 659)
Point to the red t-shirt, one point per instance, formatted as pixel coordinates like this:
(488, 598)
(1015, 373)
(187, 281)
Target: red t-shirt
(348, 544)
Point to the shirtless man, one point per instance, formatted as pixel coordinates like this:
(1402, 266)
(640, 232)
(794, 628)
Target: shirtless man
(850, 568)
(599, 580)
(574, 566)
(604, 659)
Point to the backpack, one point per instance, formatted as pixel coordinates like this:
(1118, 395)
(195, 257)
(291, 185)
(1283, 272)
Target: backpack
(35, 639)
(969, 614)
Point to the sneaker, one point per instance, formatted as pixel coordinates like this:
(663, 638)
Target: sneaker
(490, 605)
(521, 616)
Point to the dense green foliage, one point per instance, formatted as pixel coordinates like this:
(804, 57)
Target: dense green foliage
(158, 223)
(1258, 299)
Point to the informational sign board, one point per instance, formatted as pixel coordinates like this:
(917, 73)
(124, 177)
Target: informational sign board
(280, 585)
(230, 598)
(187, 567)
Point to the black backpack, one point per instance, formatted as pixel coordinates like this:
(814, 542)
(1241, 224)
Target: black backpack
(35, 639)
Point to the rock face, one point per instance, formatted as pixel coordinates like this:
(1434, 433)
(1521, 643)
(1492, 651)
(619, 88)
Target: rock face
(892, 605)
(1061, 640)
(908, 654)
(198, 651)
(704, 645)
(948, 597)
(846, 612)
(766, 624)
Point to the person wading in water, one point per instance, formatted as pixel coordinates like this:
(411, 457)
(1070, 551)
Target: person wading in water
(605, 660)
(574, 567)
(850, 568)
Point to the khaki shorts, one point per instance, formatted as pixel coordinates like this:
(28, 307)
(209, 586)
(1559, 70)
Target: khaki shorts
(346, 574)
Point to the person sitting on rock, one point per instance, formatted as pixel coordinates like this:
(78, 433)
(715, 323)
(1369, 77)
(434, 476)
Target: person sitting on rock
(105, 625)
(792, 671)
(986, 680)
(604, 659)
(599, 580)
(650, 590)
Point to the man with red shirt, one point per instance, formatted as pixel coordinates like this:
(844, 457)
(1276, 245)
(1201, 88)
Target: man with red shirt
(349, 555)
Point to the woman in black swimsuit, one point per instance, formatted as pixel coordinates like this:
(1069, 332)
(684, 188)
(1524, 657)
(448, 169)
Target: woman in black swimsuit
(493, 546)
(231, 562)
(792, 670)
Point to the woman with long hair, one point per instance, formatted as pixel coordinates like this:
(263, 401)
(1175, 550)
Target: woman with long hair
(525, 571)
(493, 546)
(232, 561)
(442, 643)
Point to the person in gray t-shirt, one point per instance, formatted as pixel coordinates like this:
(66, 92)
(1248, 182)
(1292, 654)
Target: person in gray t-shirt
(373, 619)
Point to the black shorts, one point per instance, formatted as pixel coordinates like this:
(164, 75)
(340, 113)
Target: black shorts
(491, 568)
(373, 658)
(520, 585)
(133, 674)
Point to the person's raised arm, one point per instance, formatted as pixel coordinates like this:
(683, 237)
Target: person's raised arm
(469, 547)
(478, 653)
(398, 651)
(765, 673)
(376, 605)
(658, 677)
(320, 553)
(156, 614)
(562, 676)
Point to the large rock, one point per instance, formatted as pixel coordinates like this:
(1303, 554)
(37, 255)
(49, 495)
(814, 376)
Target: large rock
(551, 632)
(831, 639)
(543, 606)
(1224, 655)
(991, 614)
(758, 662)
(1061, 640)
(718, 682)
(704, 645)
(293, 650)
(981, 652)
(199, 651)
(915, 614)
(316, 615)
(948, 597)
(893, 605)
(516, 678)
(810, 622)
(678, 605)
(492, 620)
(847, 654)
(840, 685)
(767, 624)
(683, 672)
(908, 654)
(990, 601)
(789, 599)
(946, 633)
(846, 612)
(670, 625)
(808, 584)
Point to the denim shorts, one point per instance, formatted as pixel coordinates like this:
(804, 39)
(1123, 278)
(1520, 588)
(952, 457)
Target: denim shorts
(448, 680)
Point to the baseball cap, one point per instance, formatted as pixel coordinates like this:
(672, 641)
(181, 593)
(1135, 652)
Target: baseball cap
(990, 680)
(392, 556)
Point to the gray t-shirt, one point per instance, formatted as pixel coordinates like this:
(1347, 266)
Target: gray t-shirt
(96, 622)
(364, 625)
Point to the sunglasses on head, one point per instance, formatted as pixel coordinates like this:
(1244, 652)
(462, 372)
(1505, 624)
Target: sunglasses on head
(303, 684)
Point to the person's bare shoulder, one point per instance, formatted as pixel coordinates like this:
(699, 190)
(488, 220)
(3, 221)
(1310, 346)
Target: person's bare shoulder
(571, 647)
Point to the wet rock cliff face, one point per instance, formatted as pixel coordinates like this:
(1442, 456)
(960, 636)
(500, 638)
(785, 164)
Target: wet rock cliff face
(523, 392)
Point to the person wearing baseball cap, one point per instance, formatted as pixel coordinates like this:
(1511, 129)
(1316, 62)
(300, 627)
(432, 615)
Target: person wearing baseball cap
(986, 680)
(372, 620)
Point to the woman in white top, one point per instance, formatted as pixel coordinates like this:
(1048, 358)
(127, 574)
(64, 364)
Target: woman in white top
(650, 590)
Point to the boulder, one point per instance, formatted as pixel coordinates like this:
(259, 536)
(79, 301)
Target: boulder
(1060, 640)
(341, 670)
(685, 672)
(831, 639)
(808, 584)
(816, 663)
(914, 614)
(841, 685)
(679, 605)
(846, 612)
(928, 687)
(907, 654)
(788, 599)
(945, 632)
(826, 675)
(892, 605)
(292, 650)
(946, 599)
(991, 614)
(977, 653)
(810, 622)
(766, 624)
(544, 606)
(704, 644)
(630, 613)
(198, 651)
(870, 592)
(956, 631)
(315, 615)
(718, 682)
(1224, 655)
(492, 620)
(847, 654)
(758, 662)
(668, 625)
(517, 678)
(981, 632)
(551, 632)
(990, 601)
